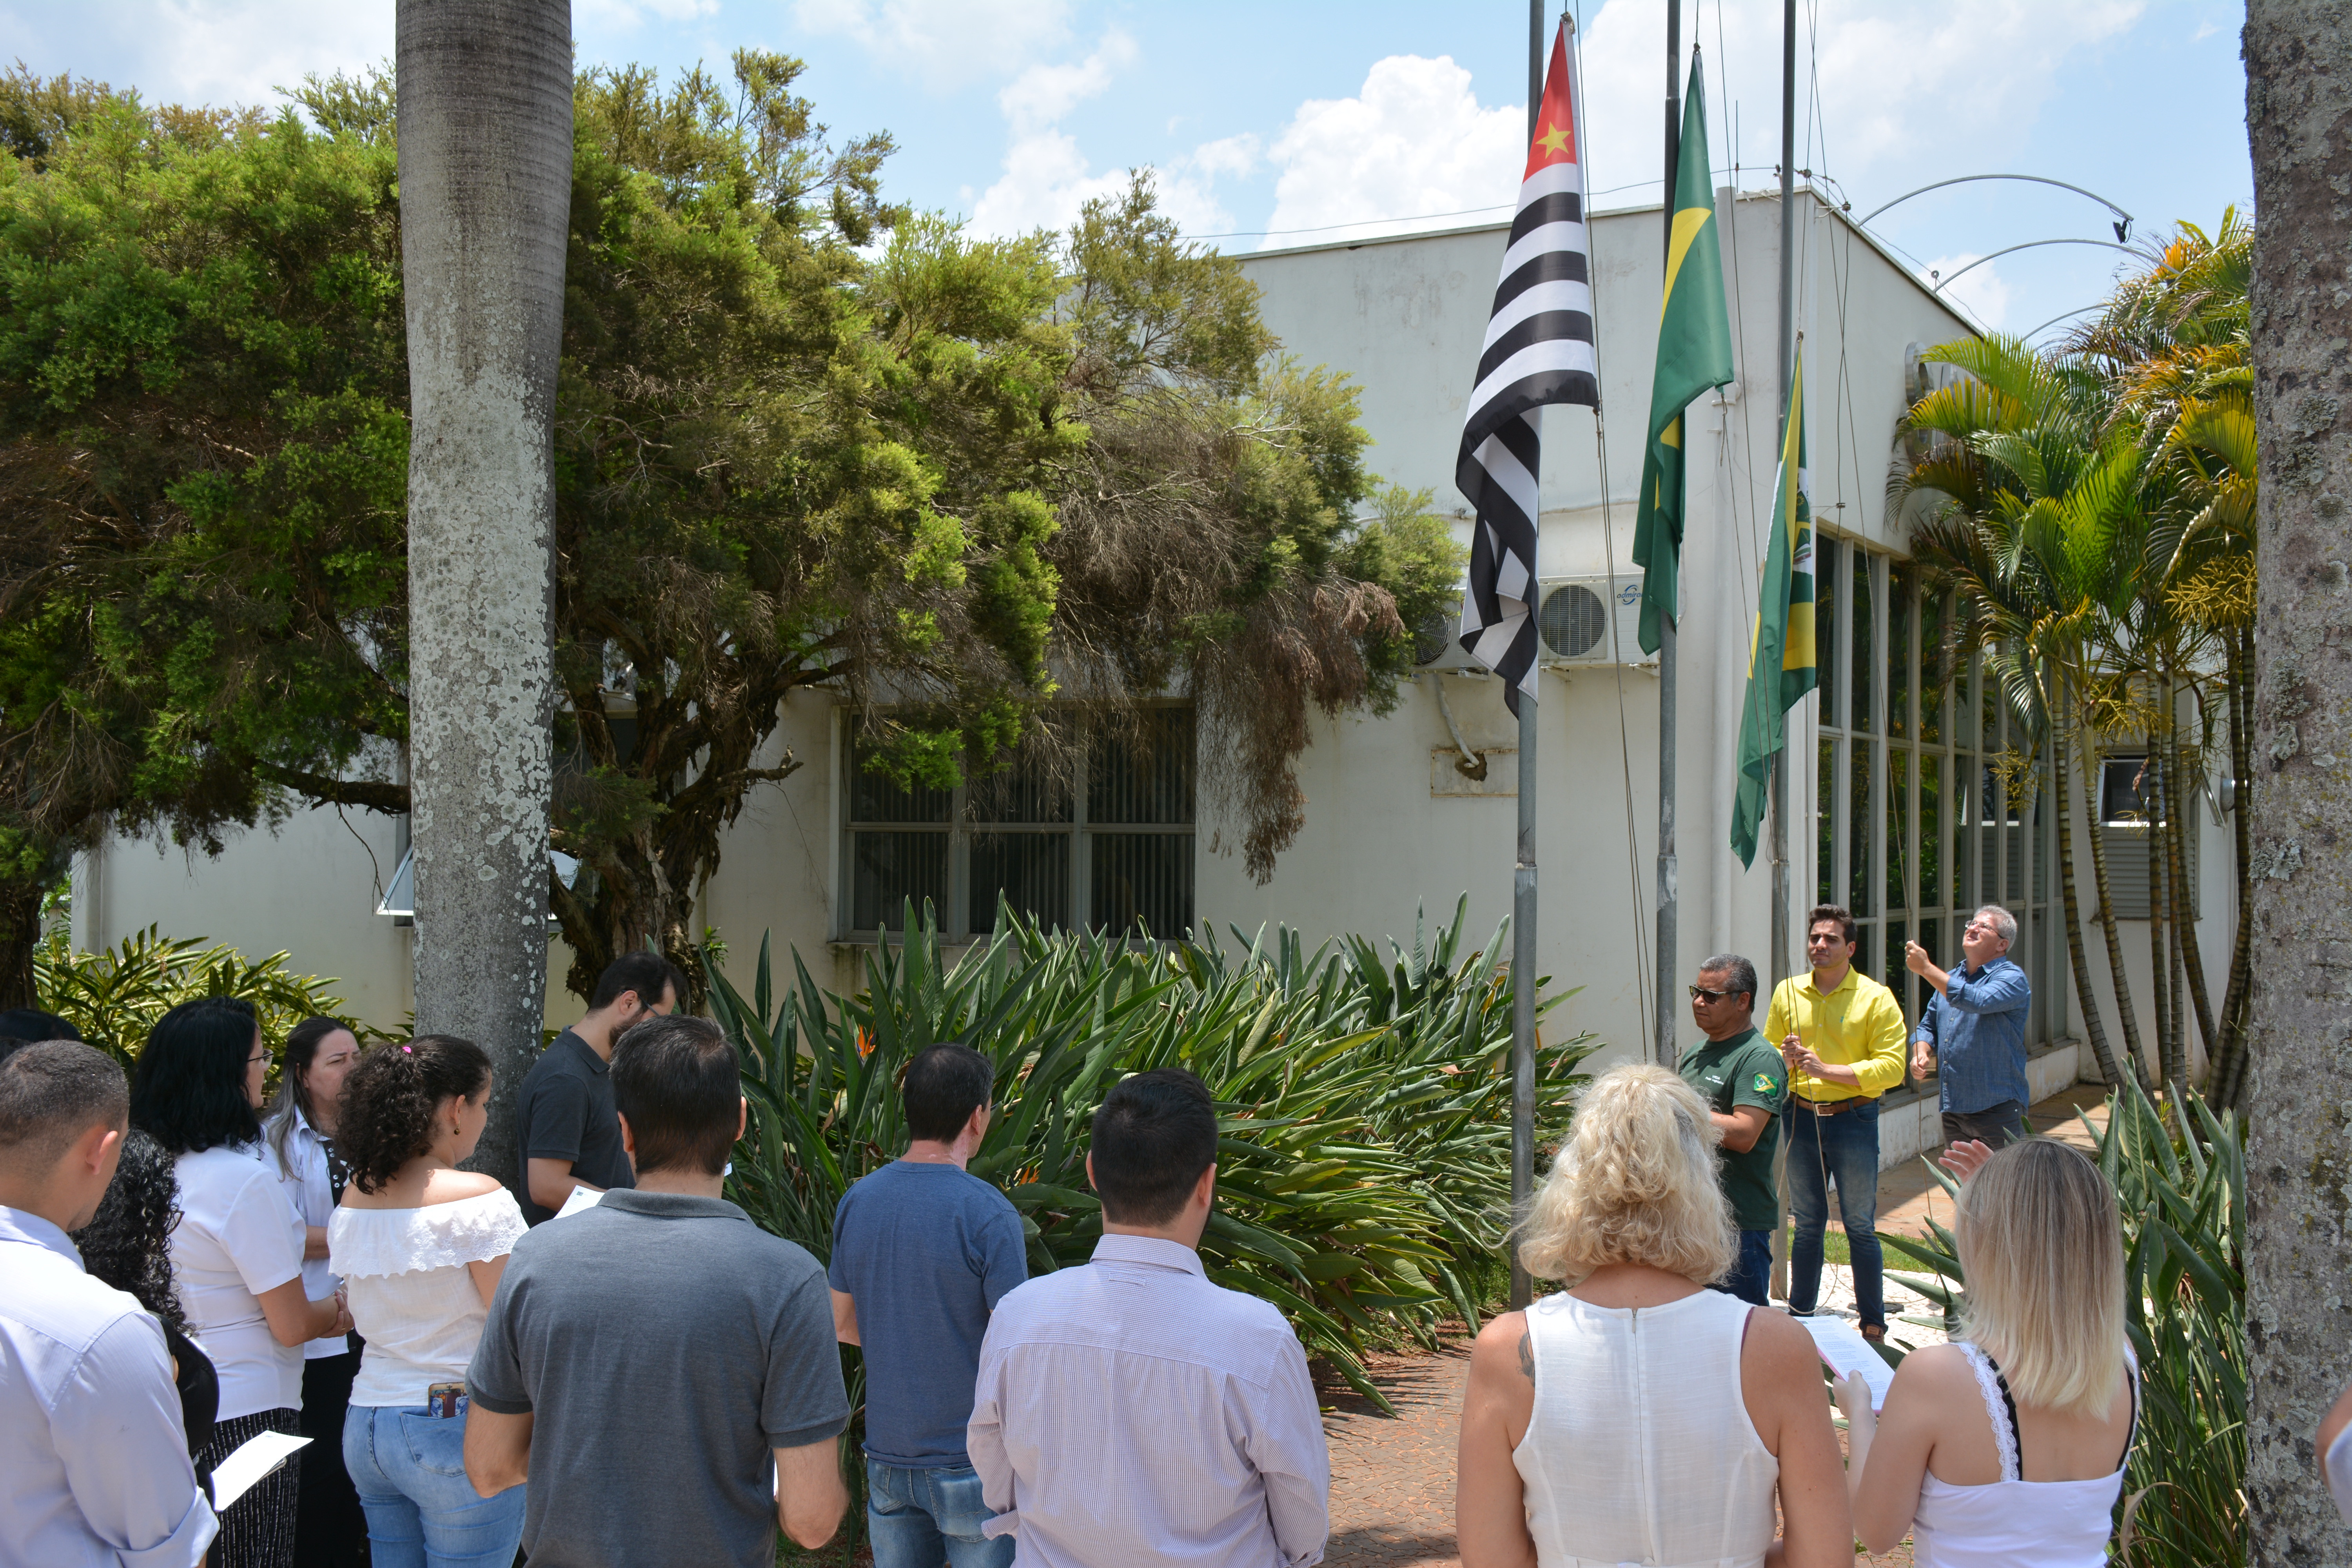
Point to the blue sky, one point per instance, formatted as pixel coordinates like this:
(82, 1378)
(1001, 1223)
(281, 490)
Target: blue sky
(1327, 121)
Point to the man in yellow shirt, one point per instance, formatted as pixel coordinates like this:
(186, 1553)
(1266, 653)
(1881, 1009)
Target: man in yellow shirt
(1841, 1033)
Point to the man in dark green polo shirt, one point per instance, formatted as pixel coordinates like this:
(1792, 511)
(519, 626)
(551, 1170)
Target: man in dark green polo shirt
(1743, 1081)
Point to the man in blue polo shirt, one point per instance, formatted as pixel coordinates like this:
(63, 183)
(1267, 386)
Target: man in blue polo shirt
(1971, 1034)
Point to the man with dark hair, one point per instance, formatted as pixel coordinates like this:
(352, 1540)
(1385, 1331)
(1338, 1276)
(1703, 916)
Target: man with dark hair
(1131, 1413)
(659, 1368)
(94, 1466)
(922, 1251)
(22, 1026)
(1841, 1032)
(563, 1115)
(1743, 1081)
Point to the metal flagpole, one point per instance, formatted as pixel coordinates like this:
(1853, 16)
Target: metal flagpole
(1668, 894)
(1523, 888)
(1781, 967)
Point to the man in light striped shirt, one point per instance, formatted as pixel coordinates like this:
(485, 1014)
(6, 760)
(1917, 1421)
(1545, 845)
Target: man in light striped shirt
(1129, 1414)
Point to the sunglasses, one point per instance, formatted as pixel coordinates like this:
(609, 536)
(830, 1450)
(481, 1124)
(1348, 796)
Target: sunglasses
(1698, 991)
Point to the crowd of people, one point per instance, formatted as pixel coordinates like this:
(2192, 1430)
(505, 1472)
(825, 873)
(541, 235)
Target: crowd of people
(623, 1369)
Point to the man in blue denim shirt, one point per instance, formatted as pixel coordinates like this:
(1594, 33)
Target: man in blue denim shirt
(1971, 1034)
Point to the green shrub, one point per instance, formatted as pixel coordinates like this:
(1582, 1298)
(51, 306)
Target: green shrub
(1363, 1172)
(114, 995)
(2183, 1196)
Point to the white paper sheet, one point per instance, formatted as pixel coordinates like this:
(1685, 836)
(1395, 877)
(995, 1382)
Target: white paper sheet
(236, 1474)
(581, 1198)
(1843, 1348)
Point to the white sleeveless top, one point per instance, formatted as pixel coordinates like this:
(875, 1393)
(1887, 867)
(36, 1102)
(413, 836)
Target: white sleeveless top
(1638, 1450)
(413, 1299)
(2013, 1522)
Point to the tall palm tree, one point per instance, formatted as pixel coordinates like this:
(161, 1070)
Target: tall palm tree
(484, 129)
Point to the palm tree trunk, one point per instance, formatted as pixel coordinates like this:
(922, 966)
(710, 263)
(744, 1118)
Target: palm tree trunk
(2126, 1014)
(2179, 802)
(2093, 1026)
(2159, 946)
(2298, 56)
(2230, 1075)
(484, 129)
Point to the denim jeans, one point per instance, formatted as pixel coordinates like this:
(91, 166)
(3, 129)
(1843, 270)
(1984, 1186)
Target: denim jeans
(1750, 1278)
(1844, 1147)
(930, 1518)
(409, 1466)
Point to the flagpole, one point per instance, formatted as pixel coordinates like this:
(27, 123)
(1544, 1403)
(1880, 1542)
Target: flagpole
(1523, 886)
(1668, 894)
(1782, 369)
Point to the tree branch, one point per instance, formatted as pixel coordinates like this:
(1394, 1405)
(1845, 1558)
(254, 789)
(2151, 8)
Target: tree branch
(390, 799)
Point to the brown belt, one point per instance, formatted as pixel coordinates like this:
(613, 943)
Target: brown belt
(1831, 1107)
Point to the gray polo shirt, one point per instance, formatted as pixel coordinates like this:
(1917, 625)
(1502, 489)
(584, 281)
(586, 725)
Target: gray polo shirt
(565, 1112)
(665, 1344)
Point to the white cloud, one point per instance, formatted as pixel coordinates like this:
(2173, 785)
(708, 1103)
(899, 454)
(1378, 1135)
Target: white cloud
(1414, 142)
(1898, 79)
(1043, 94)
(624, 14)
(217, 52)
(1983, 293)
(946, 41)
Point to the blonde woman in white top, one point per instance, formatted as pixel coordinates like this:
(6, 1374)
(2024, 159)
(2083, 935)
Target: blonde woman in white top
(2008, 1446)
(420, 1245)
(1638, 1417)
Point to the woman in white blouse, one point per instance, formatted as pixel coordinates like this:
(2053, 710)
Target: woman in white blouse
(236, 1252)
(2007, 1446)
(1638, 1417)
(420, 1245)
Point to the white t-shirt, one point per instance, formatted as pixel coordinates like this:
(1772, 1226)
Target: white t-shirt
(237, 1238)
(412, 1298)
(303, 1175)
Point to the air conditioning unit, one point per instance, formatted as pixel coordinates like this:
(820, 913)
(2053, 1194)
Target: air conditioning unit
(1438, 645)
(1591, 621)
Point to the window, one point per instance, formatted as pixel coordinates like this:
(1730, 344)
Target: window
(1917, 826)
(1113, 855)
(2130, 798)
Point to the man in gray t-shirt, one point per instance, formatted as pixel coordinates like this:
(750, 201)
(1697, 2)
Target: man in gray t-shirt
(661, 1370)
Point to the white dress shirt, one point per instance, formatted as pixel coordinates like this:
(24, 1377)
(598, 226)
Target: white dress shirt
(237, 1237)
(302, 1176)
(1129, 1414)
(94, 1467)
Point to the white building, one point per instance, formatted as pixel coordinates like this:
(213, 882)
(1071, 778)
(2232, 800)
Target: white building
(1892, 810)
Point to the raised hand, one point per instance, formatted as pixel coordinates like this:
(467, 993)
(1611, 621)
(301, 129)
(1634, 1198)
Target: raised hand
(1965, 1159)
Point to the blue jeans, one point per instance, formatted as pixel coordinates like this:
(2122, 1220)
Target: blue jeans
(927, 1518)
(1846, 1147)
(1750, 1278)
(409, 1466)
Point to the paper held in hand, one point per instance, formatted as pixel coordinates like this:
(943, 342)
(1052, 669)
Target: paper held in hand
(1843, 1348)
(581, 1199)
(236, 1474)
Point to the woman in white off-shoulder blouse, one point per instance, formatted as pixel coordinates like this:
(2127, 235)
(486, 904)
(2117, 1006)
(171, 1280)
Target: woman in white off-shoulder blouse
(420, 1245)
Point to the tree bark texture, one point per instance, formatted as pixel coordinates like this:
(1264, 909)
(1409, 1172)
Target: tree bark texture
(2298, 57)
(485, 126)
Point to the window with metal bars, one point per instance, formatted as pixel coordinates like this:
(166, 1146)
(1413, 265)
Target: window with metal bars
(1107, 848)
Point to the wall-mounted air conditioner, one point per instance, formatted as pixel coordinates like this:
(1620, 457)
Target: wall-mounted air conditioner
(1437, 647)
(1591, 621)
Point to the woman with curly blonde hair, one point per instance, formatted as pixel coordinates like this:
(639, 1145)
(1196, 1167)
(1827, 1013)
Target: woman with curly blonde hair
(1638, 1417)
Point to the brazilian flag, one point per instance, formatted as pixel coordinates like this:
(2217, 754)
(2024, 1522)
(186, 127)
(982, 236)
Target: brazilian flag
(1780, 667)
(1694, 354)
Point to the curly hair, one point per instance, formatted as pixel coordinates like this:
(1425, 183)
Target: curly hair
(1634, 1183)
(390, 1097)
(127, 1243)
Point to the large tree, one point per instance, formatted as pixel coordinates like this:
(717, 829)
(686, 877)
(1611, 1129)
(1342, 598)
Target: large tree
(485, 160)
(802, 438)
(2299, 1157)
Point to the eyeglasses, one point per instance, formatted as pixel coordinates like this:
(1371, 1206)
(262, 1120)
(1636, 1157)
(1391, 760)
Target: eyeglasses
(250, 1061)
(1698, 991)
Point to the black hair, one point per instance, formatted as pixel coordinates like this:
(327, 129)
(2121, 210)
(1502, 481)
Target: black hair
(53, 1091)
(943, 1086)
(25, 1026)
(127, 1243)
(1838, 912)
(386, 1118)
(188, 1089)
(1154, 1135)
(677, 1081)
(647, 974)
(302, 1043)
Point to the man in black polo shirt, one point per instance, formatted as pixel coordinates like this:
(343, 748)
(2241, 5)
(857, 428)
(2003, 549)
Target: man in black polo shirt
(564, 1123)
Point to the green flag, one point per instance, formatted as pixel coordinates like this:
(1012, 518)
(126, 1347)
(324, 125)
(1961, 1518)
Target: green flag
(1694, 354)
(1780, 667)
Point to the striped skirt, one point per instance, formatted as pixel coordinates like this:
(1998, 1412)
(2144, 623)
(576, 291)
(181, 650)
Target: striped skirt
(257, 1530)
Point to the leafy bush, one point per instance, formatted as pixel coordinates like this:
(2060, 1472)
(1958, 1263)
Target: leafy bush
(114, 995)
(1363, 1173)
(2183, 1193)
